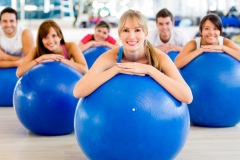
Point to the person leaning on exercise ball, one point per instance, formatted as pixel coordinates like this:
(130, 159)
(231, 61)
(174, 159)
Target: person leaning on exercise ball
(15, 40)
(166, 37)
(101, 37)
(136, 57)
(51, 46)
(210, 41)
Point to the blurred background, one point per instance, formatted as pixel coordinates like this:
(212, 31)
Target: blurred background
(86, 13)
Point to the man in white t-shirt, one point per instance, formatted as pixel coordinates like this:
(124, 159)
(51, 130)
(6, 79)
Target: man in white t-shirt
(15, 41)
(166, 37)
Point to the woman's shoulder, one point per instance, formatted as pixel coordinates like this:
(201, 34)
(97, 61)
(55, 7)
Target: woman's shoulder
(69, 44)
(108, 57)
(163, 58)
(227, 41)
(160, 53)
(113, 51)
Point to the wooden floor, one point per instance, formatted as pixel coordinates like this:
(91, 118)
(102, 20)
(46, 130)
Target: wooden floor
(16, 143)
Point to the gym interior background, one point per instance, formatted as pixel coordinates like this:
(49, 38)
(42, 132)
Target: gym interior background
(86, 13)
(16, 143)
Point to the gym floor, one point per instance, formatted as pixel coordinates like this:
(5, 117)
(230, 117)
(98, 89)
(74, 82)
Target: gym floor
(17, 143)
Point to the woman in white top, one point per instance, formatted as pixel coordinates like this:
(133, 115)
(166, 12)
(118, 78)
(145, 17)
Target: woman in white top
(210, 41)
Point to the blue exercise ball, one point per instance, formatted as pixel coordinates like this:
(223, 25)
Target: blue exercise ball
(131, 117)
(172, 55)
(215, 82)
(8, 80)
(43, 98)
(93, 53)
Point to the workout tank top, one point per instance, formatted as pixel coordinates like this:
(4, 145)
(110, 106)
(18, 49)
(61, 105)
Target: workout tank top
(12, 46)
(198, 41)
(120, 53)
(65, 52)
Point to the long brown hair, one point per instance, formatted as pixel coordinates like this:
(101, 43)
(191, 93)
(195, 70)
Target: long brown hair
(43, 30)
(153, 57)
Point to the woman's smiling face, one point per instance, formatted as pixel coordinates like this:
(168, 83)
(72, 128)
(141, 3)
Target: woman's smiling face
(51, 41)
(132, 35)
(210, 33)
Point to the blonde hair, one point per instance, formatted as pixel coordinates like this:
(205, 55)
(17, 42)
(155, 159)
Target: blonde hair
(153, 57)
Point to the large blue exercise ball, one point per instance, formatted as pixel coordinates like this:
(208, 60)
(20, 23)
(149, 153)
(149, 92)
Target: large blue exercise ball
(8, 80)
(215, 82)
(172, 55)
(131, 117)
(43, 98)
(93, 53)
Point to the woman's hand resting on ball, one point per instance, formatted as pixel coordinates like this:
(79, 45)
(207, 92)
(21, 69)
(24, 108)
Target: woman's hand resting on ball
(49, 57)
(212, 48)
(133, 68)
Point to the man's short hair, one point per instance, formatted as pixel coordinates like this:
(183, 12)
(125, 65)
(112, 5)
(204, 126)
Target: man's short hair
(9, 10)
(164, 13)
